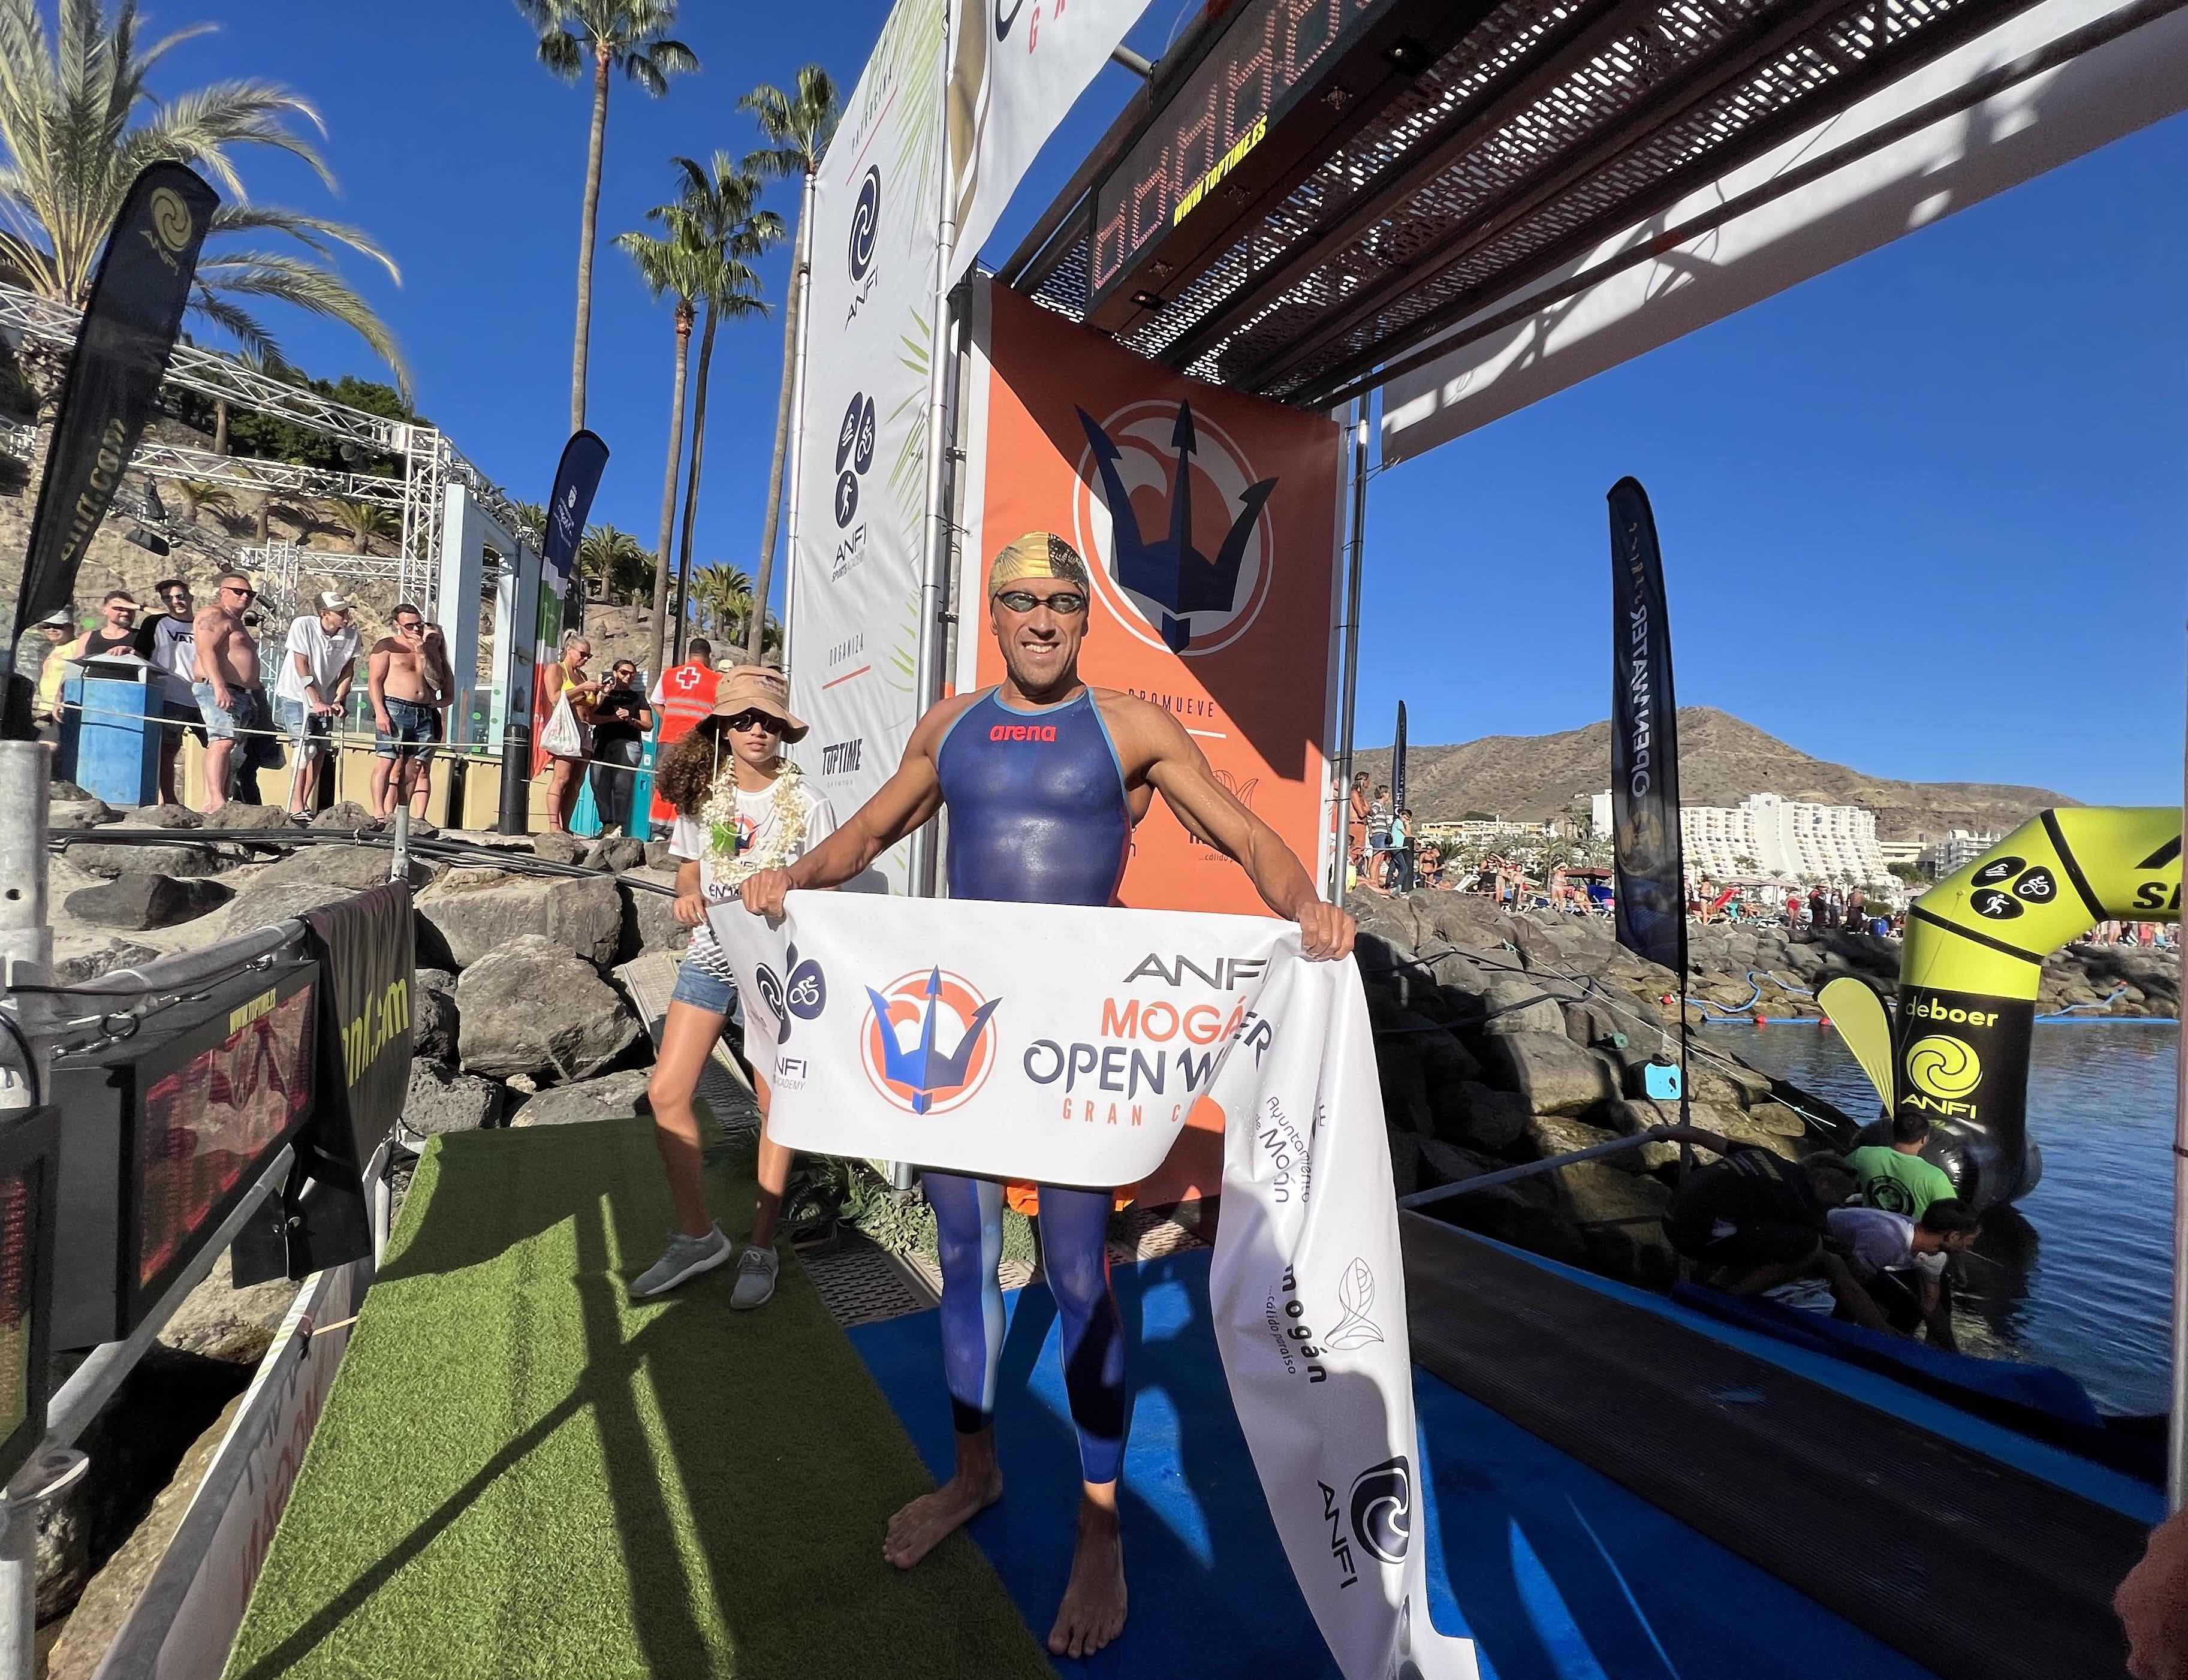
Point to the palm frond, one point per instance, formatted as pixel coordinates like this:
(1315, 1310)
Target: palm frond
(306, 285)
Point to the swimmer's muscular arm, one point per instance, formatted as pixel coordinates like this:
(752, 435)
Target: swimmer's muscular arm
(1178, 769)
(908, 798)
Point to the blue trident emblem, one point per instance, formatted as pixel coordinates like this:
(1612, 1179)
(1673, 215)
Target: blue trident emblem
(925, 1069)
(1170, 575)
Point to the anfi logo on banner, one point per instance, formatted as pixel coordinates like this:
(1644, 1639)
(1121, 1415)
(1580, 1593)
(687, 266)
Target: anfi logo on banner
(1382, 1508)
(926, 1044)
(170, 219)
(1200, 586)
(865, 224)
(802, 998)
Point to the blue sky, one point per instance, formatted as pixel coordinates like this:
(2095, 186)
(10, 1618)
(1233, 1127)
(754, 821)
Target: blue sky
(1922, 516)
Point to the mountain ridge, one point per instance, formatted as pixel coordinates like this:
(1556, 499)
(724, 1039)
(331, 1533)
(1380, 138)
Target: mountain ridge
(1723, 759)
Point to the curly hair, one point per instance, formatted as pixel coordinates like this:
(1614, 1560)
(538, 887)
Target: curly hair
(686, 772)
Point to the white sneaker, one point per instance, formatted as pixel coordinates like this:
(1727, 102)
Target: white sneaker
(756, 1274)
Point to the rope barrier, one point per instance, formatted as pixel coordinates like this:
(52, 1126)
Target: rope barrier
(470, 752)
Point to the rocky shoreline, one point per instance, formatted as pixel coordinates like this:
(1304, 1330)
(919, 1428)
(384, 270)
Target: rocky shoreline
(519, 1019)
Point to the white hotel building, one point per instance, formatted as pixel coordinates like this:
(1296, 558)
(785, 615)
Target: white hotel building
(1767, 834)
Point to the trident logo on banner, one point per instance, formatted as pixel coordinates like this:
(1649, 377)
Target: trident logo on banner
(923, 1076)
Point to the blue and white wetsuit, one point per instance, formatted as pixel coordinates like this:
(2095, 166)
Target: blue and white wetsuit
(1038, 815)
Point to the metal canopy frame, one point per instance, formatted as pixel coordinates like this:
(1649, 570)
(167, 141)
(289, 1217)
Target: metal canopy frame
(1552, 126)
(429, 461)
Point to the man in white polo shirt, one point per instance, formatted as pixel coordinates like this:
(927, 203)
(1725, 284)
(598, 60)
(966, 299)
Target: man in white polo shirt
(316, 668)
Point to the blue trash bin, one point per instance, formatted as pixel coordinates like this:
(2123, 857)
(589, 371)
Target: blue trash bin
(111, 722)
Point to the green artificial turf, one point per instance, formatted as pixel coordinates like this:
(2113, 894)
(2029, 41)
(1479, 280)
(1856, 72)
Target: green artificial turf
(520, 1474)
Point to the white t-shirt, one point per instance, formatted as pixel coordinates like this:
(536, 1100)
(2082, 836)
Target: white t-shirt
(325, 654)
(175, 651)
(755, 821)
(1881, 1240)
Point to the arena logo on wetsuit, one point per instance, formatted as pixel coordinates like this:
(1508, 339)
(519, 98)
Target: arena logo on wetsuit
(1193, 576)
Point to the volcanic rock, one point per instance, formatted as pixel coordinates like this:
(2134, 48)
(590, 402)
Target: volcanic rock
(473, 912)
(439, 1102)
(1554, 1074)
(121, 860)
(238, 817)
(607, 1098)
(136, 902)
(529, 1005)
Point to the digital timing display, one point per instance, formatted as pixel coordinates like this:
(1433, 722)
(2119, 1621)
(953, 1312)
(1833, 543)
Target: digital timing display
(212, 1119)
(1271, 56)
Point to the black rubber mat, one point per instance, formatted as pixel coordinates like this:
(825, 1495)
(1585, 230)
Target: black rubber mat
(1975, 1569)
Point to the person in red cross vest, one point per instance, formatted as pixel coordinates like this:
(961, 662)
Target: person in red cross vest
(685, 694)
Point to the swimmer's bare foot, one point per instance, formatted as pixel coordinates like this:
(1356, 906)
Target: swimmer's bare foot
(929, 1520)
(1092, 1613)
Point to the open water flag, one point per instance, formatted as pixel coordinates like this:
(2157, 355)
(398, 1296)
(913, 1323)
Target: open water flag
(947, 1034)
(1651, 915)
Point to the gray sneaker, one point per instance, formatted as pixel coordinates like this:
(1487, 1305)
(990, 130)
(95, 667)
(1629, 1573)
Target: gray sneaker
(686, 1257)
(755, 1273)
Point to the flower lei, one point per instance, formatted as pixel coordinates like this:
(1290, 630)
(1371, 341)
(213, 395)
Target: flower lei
(732, 864)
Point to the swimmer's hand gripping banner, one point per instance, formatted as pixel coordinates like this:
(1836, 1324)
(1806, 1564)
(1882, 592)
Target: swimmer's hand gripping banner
(1066, 1046)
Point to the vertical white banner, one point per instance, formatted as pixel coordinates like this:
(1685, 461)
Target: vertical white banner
(1019, 65)
(948, 1034)
(862, 457)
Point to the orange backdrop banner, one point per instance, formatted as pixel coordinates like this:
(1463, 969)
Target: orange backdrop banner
(1210, 522)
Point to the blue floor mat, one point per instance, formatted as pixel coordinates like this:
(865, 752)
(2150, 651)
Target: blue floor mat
(1556, 1572)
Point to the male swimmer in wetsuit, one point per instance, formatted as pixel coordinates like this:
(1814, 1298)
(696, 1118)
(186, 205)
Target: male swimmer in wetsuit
(1044, 778)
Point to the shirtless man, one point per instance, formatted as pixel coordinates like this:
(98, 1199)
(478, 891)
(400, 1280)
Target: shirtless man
(228, 696)
(1045, 815)
(410, 683)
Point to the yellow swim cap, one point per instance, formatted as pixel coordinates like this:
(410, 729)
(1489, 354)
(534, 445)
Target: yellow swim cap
(1038, 553)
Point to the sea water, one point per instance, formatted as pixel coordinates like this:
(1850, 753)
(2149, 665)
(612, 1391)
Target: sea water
(2078, 1273)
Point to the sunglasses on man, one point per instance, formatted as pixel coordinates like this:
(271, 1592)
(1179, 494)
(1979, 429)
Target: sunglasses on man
(1066, 604)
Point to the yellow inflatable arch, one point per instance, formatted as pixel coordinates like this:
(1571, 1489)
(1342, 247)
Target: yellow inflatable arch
(1974, 955)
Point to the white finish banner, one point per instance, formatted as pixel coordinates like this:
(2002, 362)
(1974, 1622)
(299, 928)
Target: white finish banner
(1066, 1044)
(2046, 120)
(1018, 67)
(861, 485)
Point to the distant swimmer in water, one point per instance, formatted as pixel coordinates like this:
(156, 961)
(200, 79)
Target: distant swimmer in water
(1044, 778)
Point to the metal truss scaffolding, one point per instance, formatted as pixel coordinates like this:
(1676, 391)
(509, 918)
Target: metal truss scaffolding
(429, 461)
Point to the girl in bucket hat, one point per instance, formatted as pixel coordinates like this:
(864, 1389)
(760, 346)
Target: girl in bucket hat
(740, 807)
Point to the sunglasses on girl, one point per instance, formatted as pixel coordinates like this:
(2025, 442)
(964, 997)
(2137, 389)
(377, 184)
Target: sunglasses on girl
(749, 719)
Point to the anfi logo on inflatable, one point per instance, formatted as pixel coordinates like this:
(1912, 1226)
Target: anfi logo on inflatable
(1198, 586)
(1946, 1069)
(801, 998)
(925, 1043)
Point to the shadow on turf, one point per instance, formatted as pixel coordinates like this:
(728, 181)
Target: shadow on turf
(753, 1584)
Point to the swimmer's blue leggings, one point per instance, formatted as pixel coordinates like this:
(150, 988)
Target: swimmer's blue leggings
(1074, 1225)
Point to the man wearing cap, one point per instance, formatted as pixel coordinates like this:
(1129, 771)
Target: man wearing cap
(1044, 778)
(317, 665)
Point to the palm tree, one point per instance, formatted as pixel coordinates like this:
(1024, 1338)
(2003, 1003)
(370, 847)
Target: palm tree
(264, 360)
(532, 515)
(203, 495)
(679, 266)
(718, 215)
(631, 33)
(363, 520)
(725, 594)
(799, 127)
(612, 558)
(77, 125)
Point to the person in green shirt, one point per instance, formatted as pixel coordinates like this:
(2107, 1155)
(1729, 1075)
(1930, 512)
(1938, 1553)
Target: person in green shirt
(1897, 1179)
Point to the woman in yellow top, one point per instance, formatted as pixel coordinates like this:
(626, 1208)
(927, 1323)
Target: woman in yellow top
(567, 676)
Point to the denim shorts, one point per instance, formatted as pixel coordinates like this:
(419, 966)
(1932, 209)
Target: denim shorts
(703, 991)
(246, 710)
(306, 727)
(417, 729)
